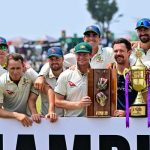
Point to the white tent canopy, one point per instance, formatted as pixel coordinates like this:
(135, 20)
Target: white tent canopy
(46, 38)
(18, 41)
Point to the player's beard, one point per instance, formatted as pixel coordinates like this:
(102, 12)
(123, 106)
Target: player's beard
(119, 59)
(144, 38)
(56, 67)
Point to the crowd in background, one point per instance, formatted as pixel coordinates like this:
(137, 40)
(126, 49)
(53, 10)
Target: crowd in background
(35, 52)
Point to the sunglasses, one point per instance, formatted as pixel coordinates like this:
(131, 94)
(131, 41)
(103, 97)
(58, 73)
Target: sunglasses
(3, 47)
(145, 23)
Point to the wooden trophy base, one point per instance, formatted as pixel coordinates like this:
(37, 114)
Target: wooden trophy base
(100, 92)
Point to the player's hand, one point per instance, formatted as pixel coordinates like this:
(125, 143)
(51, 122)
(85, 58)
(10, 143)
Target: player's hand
(85, 101)
(119, 113)
(25, 120)
(52, 116)
(39, 83)
(36, 118)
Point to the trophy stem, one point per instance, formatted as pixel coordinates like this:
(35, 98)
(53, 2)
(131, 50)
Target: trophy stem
(139, 107)
(139, 99)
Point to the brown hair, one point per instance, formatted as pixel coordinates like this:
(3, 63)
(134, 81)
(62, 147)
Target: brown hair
(15, 56)
(122, 40)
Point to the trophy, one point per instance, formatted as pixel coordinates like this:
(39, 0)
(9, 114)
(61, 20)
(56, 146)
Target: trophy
(138, 82)
(102, 90)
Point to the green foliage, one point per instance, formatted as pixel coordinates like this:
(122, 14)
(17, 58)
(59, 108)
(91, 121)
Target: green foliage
(102, 11)
(133, 36)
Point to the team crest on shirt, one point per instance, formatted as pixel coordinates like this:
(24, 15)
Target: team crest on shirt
(71, 84)
(9, 92)
(25, 81)
(99, 58)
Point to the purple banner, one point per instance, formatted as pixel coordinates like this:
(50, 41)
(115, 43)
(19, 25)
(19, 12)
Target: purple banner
(127, 99)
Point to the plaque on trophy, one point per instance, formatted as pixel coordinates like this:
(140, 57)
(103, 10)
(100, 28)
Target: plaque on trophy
(100, 84)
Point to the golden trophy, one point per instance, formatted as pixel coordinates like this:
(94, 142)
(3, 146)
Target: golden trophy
(138, 82)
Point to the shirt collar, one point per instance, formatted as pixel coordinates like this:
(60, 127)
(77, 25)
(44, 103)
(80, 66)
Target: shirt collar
(76, 68)
(98, 55)
(124, 71)
(99, 51)
(23, 79)
(142, 50)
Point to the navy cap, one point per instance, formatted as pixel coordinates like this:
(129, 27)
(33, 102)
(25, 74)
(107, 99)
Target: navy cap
(144, 22)
(94, 29)
(55, 51)
(3, 41)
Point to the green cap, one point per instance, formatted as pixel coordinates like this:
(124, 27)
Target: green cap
(83, 47)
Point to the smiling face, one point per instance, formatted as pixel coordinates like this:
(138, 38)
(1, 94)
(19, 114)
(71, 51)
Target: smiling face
(144, 34)
(56, 63)
(92, 38)
(15, 69)
(121, 53)
(83, 58)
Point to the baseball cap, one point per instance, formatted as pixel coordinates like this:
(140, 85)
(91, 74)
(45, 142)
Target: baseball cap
(3, 44)
(3, 41)
(83, 47)
(144, 22)
(55, 51)
(92, 28)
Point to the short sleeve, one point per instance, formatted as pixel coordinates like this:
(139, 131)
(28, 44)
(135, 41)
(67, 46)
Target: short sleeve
(61, 86)
(44, 70)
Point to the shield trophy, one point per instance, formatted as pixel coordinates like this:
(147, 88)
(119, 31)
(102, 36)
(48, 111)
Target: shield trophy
(102, 87)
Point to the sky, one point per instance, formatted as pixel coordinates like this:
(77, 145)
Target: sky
(33, 19)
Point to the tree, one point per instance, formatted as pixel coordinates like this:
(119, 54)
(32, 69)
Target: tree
(103, 11)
